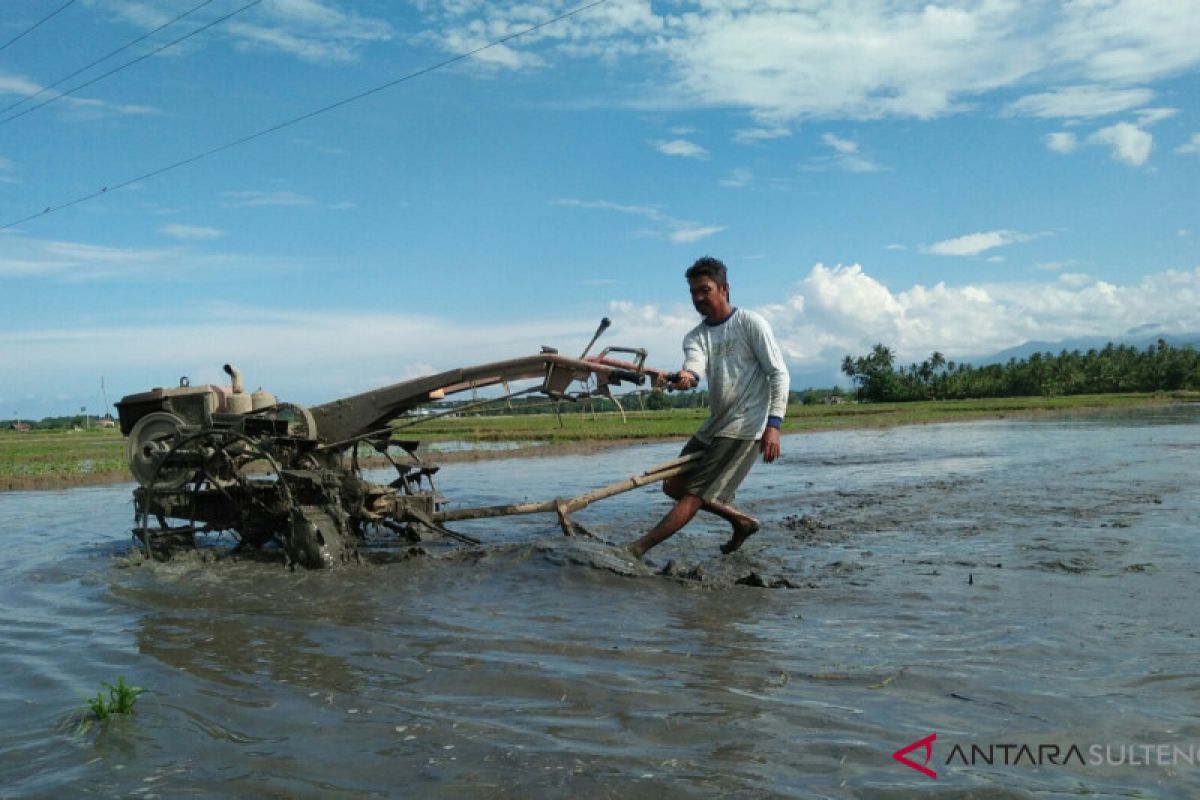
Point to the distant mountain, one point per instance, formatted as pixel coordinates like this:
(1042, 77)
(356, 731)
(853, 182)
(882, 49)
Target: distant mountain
(1138, 337)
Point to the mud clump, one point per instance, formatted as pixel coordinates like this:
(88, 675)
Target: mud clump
(675, 570)
(756, 580)
(1075, 566)
(809, 529)
(802, 522)
(698, 575)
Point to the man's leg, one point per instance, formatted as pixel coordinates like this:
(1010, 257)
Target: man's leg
(744, 526)
(680, 514)
(685, 508)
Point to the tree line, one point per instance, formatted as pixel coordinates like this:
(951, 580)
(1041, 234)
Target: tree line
(1111, 369)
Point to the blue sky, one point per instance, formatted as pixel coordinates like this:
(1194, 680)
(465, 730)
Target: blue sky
(953, 176)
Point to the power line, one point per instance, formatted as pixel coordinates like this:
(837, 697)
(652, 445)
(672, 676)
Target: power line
(307, 116)
(35, 25)
(140, 58)
(102, 59)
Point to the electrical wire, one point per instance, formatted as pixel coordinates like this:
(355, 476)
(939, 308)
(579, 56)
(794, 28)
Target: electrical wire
(127, 64)
(102, 59)
(35, 25)
(303, 117)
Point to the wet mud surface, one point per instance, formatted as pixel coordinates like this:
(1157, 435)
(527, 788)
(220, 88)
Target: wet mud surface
(1020, 581)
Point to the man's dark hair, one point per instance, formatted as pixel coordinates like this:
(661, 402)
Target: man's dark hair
(708, 267)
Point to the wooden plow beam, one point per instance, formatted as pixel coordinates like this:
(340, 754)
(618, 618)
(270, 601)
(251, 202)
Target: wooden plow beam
(564, 507)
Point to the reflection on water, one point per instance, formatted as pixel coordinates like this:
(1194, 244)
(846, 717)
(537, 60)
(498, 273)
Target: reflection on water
(1013, 581)
(462, 445)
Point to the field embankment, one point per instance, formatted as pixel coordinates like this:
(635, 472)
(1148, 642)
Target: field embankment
(56, 459)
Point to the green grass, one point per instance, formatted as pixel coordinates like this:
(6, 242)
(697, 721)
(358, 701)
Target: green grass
(65, 456)
(121, 699)
(34, 453)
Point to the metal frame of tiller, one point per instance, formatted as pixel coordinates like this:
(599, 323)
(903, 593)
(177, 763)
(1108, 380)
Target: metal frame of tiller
(212, 460)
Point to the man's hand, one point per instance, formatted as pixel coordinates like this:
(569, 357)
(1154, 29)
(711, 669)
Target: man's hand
(770, 445)
(683, 380)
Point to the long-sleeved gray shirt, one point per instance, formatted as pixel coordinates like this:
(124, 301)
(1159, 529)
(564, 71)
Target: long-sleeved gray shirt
(747, 379)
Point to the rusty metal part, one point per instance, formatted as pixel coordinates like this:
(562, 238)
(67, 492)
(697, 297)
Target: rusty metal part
(149, 441)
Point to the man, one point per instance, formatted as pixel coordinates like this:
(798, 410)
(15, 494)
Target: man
(748, 391)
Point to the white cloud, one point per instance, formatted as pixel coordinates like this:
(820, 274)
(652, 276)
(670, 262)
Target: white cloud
(1192, 147)
(1128, 41)
(499, 56)
(972, 244)
(262, 198)
(788, 60)
(845, 155)
(191, 231)
(1080, 101)
(88, 108)
(829, 313)
(737, 178)
(841, 310)
(843, 146)
(13, 84)
(1149, 116)
(680, 147)
(680, 231)
(785, 60)
(310, 30)
(59, 261)
(1128, 142)
(754, 135)
(74, 106)
(139, 13)
(1062, 142)
(1075, 280)
(616, 30)
(76, 261)
(688, 232)
(331, 352)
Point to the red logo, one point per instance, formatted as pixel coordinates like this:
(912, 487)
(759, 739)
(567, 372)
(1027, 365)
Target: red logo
(927, 743)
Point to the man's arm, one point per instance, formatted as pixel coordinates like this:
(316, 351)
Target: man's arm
(694, 363)
(770, 358)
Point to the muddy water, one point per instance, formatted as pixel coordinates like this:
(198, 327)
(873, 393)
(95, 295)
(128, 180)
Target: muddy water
(995, 583)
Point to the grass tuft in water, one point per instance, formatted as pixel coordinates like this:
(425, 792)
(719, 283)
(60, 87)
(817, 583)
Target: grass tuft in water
(121, 699)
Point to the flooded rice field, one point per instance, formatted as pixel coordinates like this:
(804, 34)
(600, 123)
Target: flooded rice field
(1018, 600)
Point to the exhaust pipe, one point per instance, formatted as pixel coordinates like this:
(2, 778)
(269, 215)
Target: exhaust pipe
(235, 375)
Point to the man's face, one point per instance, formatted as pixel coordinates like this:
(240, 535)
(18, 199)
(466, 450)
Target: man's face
(710, 298)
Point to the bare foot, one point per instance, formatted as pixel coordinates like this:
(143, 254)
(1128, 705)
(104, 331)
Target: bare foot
(635, 551)
(741, 533)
